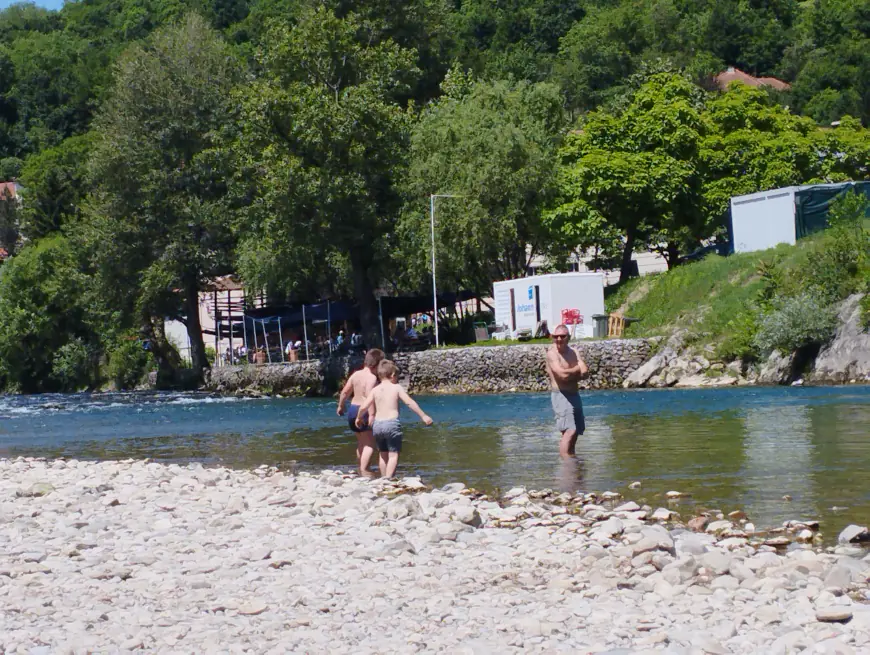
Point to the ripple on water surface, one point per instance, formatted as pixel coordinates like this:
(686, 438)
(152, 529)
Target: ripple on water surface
(729, 448)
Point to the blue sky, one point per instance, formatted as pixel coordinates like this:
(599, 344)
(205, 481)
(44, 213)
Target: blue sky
(48, 4)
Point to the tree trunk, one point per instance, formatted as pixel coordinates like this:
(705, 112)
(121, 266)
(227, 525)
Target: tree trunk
(194, 328)
(365, 294)
(672, 255)
(163, 352)
(625, 268)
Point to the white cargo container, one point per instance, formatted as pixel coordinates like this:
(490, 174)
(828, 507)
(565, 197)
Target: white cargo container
(763, 220)
(521, 304)
(766, 219)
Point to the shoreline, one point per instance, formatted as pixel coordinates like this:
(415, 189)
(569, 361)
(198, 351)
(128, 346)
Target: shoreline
(136, 555)
(253, 394)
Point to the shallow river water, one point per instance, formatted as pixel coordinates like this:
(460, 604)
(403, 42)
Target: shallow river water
(741, 448)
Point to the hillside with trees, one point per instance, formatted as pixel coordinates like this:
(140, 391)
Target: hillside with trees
(160, 143)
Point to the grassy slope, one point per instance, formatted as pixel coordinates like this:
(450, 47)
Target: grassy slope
(703, 296)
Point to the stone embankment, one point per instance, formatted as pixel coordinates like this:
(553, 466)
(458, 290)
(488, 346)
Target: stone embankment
(613, 363)
(131, 555)
(519, 368)
(492, 369)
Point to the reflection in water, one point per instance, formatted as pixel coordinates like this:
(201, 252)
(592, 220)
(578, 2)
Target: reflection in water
(778, 452)
(595, 448)
(571, 474)
(728, 448)
(839, 464)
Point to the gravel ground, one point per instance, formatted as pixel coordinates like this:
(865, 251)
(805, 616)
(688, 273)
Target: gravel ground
(132, 555)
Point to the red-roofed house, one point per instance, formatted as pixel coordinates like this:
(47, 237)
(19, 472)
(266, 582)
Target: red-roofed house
(724, 78)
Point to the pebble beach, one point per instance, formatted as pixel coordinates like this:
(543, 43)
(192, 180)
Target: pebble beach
(126, 556)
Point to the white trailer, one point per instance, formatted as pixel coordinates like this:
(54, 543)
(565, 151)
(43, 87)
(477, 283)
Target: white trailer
(522, 304)
(763, 220)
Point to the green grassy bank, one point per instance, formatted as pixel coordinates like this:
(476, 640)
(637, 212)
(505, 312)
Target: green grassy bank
(746, 305)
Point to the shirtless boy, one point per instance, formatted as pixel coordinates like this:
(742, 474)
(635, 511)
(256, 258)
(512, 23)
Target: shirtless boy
(359, 386)
(565, 369)
(384, 404)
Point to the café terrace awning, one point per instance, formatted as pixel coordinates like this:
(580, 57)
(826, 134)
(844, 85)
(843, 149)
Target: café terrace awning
(342, 310)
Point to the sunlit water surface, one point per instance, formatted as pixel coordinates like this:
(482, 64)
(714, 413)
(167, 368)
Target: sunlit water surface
(728, 448)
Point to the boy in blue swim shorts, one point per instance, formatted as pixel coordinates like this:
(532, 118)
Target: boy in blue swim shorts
(359, 386)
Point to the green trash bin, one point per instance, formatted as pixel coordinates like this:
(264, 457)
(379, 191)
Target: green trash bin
(599, 325)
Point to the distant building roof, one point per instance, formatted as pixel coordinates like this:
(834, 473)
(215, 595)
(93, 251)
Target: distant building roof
(724, 78)
(10, 188)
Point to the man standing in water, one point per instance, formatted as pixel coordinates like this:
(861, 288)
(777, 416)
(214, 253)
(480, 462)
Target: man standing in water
(359, 386)
(565, 369)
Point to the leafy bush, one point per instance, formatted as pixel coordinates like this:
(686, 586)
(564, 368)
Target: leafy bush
(73, 366)
(739, 341)
(127, 362)
(795, 322)
(10, 168)
(837, 266)
(43, 323)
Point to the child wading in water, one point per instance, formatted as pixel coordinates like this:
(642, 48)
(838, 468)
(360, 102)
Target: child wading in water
(383, 404)
(359, 386)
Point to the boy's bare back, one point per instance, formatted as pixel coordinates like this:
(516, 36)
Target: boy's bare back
(363, 381)
(383, 402)
(386, 400)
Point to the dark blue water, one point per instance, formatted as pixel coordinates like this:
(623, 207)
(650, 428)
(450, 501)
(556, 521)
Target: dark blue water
(730, 448)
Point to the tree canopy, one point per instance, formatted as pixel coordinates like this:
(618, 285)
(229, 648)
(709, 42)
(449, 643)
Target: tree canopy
(155, 224)
(493, 146)
(634, 178)
(323, 142)
(296, 143)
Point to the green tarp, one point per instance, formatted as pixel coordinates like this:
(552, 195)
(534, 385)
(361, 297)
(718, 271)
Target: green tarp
(812, 204)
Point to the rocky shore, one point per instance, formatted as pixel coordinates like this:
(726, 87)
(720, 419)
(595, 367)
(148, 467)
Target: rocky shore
(132, 555)
(844, 360)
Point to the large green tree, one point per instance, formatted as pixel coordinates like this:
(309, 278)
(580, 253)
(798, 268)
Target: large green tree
(156, 227)
(633, 179)
(322, 141)
(55, 184)
(46, 340)
(830, 59)
(512, 38)
(493, 144)
(753, 144)
(51, 89)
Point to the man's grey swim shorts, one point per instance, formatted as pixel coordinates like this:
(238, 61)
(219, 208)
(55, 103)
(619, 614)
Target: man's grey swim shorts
(569, 411)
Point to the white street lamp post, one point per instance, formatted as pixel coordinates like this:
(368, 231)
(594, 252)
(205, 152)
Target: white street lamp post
(434, 287)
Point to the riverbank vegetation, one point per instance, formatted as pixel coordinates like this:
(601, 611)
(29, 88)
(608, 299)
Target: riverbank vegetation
(748, 305)
(296, 142)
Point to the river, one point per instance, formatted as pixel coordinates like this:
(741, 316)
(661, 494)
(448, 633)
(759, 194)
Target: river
(729, 448)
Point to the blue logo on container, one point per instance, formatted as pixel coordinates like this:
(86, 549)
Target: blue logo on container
(531, 293)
